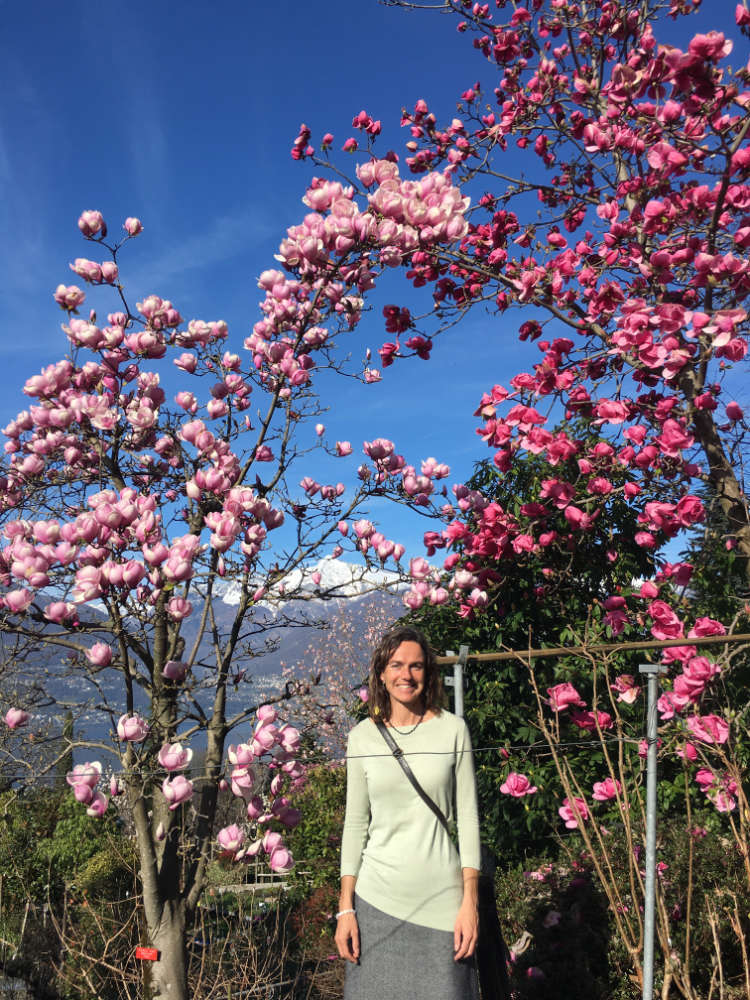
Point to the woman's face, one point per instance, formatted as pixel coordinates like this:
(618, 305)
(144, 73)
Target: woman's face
(403, 675)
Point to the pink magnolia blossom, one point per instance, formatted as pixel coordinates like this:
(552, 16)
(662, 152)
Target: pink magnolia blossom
(177, 790)
(179, 608)
(243, 782)
(87, 775)
(16, 717)
(174, 757)
(241, 755)
(517, 785)
(280, 860)
(91, 223)
(100, 654)
(231, 838)
(266, 714)
(175, 670)
(289, 738)
(98, 804)
(132, 728)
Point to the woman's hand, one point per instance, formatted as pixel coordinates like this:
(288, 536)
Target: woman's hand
(347, 937)
(466, 930)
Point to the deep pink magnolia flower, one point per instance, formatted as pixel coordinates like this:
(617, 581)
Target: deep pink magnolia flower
(263, 739)
(16, 717)
(100, 654)
(266, 714)
(255, 808)
(98, 804)
(571, 814)
(175, 670)
(517, 785)
(177, 790)
(562, 696)
(132, 728)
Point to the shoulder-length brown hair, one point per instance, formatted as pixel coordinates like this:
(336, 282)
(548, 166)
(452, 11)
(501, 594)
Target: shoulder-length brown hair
(379, 703)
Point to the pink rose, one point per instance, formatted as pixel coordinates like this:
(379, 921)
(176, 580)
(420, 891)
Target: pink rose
(517, 785)
(562, 696)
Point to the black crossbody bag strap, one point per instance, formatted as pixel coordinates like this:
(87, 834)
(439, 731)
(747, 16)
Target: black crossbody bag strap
(398, 753)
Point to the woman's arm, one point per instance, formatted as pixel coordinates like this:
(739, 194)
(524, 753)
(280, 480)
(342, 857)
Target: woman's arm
(347, 928)
(466, 929)
(356, 823)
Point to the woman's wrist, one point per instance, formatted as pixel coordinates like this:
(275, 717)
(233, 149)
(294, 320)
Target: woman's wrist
(347, 909)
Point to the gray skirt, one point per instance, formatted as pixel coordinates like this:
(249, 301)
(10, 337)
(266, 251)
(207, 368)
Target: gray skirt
(403, 961)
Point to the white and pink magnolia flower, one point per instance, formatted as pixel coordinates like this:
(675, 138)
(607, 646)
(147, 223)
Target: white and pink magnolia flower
(231, 838)
(98, 804)
(177, 790)
(99, 655)
(16, 717)
(83, 779)
(241, 755)
(132, 728)
(174, 757)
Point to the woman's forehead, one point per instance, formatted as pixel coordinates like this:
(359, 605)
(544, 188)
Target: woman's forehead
(407, 652)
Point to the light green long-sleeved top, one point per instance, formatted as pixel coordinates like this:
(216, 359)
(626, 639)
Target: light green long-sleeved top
(402, 857)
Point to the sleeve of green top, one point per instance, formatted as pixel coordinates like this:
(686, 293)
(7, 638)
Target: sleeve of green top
(467, 815)
(357, 818)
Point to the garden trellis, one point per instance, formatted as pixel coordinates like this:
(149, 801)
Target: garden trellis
(649, 670)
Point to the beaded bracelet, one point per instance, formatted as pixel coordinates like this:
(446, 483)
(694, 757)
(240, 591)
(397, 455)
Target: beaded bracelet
(342, 912)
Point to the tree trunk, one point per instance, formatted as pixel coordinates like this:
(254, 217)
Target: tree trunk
(169, 973)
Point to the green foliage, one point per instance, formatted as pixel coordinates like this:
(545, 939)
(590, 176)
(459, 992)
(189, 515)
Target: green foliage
(54, 856)
(316, 842)
(559, 922)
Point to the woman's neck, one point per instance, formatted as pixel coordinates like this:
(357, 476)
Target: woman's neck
(403, 715)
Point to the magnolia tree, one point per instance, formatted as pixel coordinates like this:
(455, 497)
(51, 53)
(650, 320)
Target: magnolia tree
(609, 174)
(126, 517)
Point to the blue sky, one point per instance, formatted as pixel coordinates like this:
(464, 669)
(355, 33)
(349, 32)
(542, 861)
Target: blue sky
(184, 115)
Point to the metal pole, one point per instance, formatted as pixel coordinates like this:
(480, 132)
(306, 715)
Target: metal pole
(652, 670)
(458, 680)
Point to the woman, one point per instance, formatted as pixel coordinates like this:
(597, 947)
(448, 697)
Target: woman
(411, 928)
